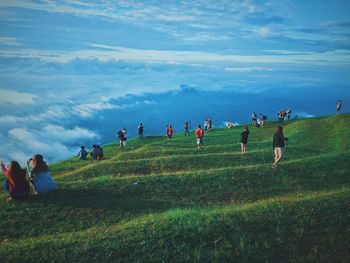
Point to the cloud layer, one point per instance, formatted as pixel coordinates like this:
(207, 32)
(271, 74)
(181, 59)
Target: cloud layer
(89, 60)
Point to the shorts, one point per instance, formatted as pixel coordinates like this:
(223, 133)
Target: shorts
(200, 141)
(279, 151)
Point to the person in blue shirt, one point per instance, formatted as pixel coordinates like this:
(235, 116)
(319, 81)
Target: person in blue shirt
(82, 153)
(40, 177)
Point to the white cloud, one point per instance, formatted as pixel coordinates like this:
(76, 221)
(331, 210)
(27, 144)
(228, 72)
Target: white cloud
(52, 141)
(170, 56)
(90, 109)
(263, 31)
(9, 41)
(59, 133)
(247, 69)
(16, 98)
(205, 37)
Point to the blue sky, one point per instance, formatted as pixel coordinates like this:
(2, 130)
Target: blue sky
(64, 62)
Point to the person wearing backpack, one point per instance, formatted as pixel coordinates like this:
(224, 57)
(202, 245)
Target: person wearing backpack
(140, 131)
(16, 184)
(82, 153)
(199, 134)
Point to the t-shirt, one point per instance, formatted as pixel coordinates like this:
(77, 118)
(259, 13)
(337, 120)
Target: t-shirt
(244, 137)
(278, 140)
(199, 133)
(17, 183)
(43, 182)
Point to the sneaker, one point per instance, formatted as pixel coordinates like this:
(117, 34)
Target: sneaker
(9, 199)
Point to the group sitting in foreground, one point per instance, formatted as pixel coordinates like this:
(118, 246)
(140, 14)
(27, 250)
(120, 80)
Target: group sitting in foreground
(17, 185)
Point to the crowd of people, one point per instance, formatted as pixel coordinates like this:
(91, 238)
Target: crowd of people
(258, 121)
(284, 115)
(40, 181)
(96, 152)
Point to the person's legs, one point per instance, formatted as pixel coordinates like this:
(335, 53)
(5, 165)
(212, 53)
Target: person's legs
(198, 143)
(278, 156)
(244, 148)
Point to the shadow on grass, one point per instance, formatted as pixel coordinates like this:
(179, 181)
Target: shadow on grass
(105, 199)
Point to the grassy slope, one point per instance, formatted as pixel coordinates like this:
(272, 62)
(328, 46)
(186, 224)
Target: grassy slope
(167, 201)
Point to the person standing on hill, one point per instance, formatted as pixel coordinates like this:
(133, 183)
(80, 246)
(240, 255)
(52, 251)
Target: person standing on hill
(205, 125)
(278, 143)
(120, 139)
(140, 131)
(254, 117)
(15, 185)
(124, 138)
(186, 128)
(169, 132)
(209, 124)
(244, 140)
(338, 106)
(199, 134)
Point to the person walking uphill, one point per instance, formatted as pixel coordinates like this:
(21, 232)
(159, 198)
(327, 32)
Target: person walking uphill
(16, 185)
(169, 132)
(244, 140)
(199, 134)
(278, 145)
(186, 128)
(338, 106)
(40, 176)
(140, 131)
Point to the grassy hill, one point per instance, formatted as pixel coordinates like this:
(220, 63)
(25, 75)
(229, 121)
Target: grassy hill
(167, 201)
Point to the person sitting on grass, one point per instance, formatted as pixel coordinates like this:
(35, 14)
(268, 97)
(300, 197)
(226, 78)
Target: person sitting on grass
(40, 177)
(199, 134)
(99, 153)
(16, 184)
(278, 143)
(82, 153)
(244, 140)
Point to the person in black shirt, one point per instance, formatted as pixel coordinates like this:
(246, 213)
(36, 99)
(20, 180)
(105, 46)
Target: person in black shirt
(186, 128)
(278, 145)
(140, 131)
(244, 140)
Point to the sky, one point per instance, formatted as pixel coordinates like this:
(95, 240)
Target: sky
(73, 72)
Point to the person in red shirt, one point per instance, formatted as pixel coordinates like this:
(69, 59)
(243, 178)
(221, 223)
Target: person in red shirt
(16, 184)
(170, 132)
(199, 134)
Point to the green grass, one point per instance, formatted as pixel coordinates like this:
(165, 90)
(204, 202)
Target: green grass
(166, 201)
